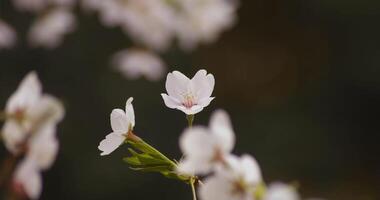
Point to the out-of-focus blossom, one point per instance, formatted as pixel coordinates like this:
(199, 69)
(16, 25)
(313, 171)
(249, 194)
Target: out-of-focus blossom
(281, 191)
(43, 147)
(135, 63)
(40, 5)
(205, 148)
(8, 36)
(28, 178)
(148, 22)
(122, 124)
(202, 21)
(49, 30)
(237, 182)
(189, 96)
(27, 111)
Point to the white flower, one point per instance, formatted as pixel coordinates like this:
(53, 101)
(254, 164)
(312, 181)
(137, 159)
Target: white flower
(135, 63)
(281, 191)
(48, 31)
(237, 182)
(148, 22)
(27, 111)
(203, 20)
(28, 177)
(122, 123)
(205, 148)
(7, 35)
(189, 96)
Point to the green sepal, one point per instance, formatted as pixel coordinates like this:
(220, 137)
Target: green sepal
(146, 158)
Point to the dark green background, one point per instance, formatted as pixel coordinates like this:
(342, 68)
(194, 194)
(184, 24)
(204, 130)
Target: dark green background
(300, 79)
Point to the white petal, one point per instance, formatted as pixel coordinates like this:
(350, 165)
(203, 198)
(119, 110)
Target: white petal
(197, 142)
(119, 121)
(205, 101)
(281, 191)
(28, 176)
(202, 84)
(170, 102)
(26, 95)
(251, 169)
(47, 110)
(177, 85)
(195, 165)
(13, 135)
(130, 112)
(219, 188)
(220, 126)
(43, 147)
(110, 143)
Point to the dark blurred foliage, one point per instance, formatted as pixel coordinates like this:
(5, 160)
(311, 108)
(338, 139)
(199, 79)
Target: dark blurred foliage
(300, 79)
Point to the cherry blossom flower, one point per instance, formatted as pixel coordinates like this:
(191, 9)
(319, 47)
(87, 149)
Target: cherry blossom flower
(204, 148)
(237, 182)
(148, 22)
(27, 111)
(122, 124)
(48, 31)
(7, 35)
(189, 96)
(30, 5)
(134, 63)
(28, 178)
(281, 191)
(203, 20)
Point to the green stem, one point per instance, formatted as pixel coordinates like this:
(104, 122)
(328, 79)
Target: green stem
(192, 184)
(190, 120)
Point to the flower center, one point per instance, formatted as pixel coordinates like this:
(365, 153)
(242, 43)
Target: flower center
(189, 101)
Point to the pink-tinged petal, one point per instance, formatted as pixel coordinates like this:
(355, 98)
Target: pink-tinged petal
(26, 95)
(251, 169)
(8, 36)
(130, 112)
(29, 178)
(111, 143)
(177, 85)
(190, 111)
(119, 121)
(221, 127)
(170, 102)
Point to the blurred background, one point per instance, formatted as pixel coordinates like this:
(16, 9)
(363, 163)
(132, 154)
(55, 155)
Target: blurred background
(300, 79)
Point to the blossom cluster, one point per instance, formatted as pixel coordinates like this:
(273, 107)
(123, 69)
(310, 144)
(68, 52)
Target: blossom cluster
(29, 134)
(207, 151)
(153, 25)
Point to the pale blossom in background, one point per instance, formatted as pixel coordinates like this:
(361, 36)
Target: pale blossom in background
(122, 123)
(30, 5)
(205, 148)
(27, 111)
(202, 21)
(237, 182)
(189, 95)
(281, 191)
(134, 63)
(28, 178)
(8, 35)
(49, 30)
(149, 22)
